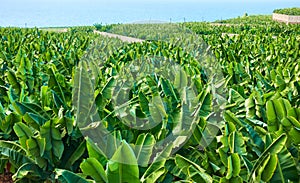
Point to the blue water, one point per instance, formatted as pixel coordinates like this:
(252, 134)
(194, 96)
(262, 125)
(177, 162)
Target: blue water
(72, 13)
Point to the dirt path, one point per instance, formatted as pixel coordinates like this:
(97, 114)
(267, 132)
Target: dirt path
(136, 40)
(223, 24)
(58, 30)
(123, 38)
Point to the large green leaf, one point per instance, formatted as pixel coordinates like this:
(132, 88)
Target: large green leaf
(65, 176)
(14, 153)
(205, 102)
(144, 103)
(2, 112)
(94, 151)
(181, 80)
(7, 124)
(286, 169)
(45, 96)
(157, 110)
(155, 175)
(83, 96)
(23, 132)
(157, 168)
(143, 148)
(230, 117)
(58, 101)
(92, 167)
(185, 165)
(34, 120)
(269, 169)
(276, 146)
(12, 79)
(31, 173)
(236, 164)
(107, 90)
(123, 167)
(256, 138)
(23, 108)
(36, 148)
(276, 111)
(54, 83)
(235, 97)
(237, 143)
(54, 145)
(112, 144)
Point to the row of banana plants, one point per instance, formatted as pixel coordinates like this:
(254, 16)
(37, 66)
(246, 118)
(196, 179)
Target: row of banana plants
(42, 135)
(248, 25)
(261, 102)
(248, 19)
(254, 68)
(37, 129)
(288, 11)
(40, 140)
(237, 26)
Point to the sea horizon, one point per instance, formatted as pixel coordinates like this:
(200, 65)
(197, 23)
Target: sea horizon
(65, 14)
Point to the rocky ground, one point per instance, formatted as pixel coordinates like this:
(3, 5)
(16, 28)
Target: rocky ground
(6, 178)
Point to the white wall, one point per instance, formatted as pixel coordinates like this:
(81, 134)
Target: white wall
(286, 18)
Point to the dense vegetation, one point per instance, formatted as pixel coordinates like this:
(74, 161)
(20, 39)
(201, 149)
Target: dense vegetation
(248, 19)
(253, 24)
(257, 138)
(104, 28)
(288, 11)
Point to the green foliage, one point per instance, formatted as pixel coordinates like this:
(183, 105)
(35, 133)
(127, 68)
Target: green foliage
(104, 28)
(248, 19)
(288, 11)
(257, 139)
(249, 25)
(84, 29)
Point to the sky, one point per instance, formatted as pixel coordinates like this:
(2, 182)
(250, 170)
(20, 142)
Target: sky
(16, 2)
(37, 3)
(88, 12)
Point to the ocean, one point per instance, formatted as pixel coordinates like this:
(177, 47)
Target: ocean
(73, 13)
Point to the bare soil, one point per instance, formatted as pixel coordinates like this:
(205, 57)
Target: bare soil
(123, 38)
(6, 178)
